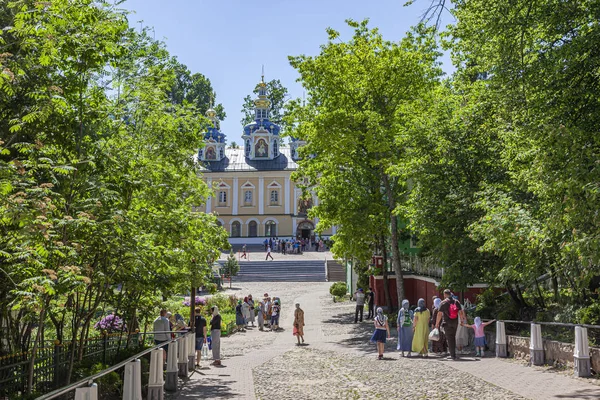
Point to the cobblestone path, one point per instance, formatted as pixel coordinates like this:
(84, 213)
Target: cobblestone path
(338, 362)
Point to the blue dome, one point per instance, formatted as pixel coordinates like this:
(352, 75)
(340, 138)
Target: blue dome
(213, 133)
(257, 124)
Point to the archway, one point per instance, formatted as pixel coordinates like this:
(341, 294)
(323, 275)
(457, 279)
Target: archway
(305, 230)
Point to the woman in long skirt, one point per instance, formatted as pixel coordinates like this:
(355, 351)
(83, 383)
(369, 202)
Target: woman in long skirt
(251, 309)
(239, 317)
(246, 311)
(439, 346)
(405, 328)
(261, 315)
(381, 328)
(421, 327)
(299, 323)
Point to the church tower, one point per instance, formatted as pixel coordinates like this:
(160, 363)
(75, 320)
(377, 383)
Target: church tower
(261, 137)
(214, 140)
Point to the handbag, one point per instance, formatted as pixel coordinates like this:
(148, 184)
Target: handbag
(434, 335)
(205, 351)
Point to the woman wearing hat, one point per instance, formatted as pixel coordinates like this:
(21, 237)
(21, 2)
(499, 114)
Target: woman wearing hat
(239, 317)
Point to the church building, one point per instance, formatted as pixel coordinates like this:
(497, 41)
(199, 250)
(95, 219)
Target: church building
(254, 195)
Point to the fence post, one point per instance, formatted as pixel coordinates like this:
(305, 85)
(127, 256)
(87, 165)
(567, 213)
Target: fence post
(501, 345)
(171, 382)
(132, 381)
(156, 381)
(536, 345)
(87, 393)
(581, 356)
(191, 350)
(56, 364)
(182, 357)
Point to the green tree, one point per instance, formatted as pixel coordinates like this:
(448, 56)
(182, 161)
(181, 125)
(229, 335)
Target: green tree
(278, 94)
(357, 92)
(232, 267)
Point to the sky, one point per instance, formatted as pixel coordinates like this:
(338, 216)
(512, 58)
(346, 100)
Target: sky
(229, 41)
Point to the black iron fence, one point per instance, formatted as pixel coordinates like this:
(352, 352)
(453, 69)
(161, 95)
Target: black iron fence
(51, 363)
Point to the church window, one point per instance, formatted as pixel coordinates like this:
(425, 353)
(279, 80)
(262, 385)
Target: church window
(221, 153)
(201, 154)
(275, 148)
(271, 229)
(222, 197)
(248, 197)
(236, 229)
(252, 229)
(247, 148)
(274, 197)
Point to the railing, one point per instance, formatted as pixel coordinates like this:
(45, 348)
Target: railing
(581, 351)
(53, 358)
(422, 266)
(131, 383)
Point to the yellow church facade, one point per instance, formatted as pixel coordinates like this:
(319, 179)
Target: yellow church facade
(254, 196)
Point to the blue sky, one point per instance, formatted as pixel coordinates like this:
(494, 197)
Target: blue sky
(229, 40)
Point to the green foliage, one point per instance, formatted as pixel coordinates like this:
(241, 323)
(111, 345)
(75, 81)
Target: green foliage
(338, 289)
(590, 314)
(231, 267)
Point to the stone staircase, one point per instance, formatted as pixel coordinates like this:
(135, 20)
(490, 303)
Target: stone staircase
(281, 271)
(336, 272)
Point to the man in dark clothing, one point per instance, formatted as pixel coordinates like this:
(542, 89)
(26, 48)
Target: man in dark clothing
(200, 327)
(371, 300)
(449, 316)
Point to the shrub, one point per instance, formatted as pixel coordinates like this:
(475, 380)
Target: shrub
(338, 289)
(110, 323)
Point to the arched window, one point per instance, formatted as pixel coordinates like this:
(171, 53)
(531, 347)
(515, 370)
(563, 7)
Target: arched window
(252, 229)
(271, 229)
(236, 229)
(275, 148)
(274, 197)
(248, 197)
(201, 154)
(247, 148)
(219, 223)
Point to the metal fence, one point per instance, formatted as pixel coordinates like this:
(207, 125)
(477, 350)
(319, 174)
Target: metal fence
(426, 266)
(52, 362)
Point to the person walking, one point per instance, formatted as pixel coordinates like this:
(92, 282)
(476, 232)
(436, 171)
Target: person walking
(201, 330)
(371, 302)
(299, 323)
(447, 318)
(215, 335)
(251, 309)
(437, 346)
(480, 341)
(244, 252)
(162, 328)
(381, 328)
(360, 304)
(421, 329)
(269, 254)
(239, 317)
(405, 328)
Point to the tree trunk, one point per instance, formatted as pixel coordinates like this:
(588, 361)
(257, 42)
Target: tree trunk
(395, 240)
(192, 308)
(386, 287)
(36, 342)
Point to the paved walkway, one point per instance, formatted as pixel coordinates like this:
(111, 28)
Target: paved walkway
(334, 342)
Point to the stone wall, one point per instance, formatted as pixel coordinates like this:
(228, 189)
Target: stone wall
(554, 352)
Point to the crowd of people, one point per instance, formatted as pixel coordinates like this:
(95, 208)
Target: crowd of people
(445, 326)
(287, 246)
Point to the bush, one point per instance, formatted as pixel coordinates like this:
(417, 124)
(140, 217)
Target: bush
(338, 289)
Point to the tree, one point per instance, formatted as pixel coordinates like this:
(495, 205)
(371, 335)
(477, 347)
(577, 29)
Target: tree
(357, 92)
(232, 267)
(277, 94)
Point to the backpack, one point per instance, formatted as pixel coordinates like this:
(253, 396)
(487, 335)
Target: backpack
(453, 310)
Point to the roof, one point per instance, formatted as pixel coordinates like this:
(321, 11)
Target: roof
(235, 160)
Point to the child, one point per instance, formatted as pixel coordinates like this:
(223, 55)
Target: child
(479, 335)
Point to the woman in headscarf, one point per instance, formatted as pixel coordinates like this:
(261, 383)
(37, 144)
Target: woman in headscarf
(246, 311)
(251, 309)
(239, 317)
(462, 333)
(439, 346)
(179, 324)
(381, 328)
(215, 335)
(405, 328)
(261, 315)
(299, 323)
(421, 328)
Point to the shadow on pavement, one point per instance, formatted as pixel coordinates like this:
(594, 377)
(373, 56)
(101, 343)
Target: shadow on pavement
(210, 388)
(581, 394)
